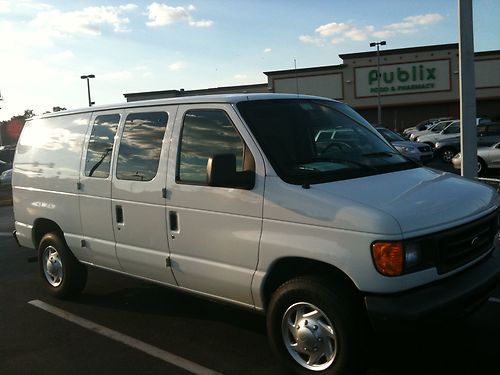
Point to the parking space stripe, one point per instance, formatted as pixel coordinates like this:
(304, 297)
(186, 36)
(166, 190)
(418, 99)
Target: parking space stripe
(127, 340)
(494, 299)
(5, 234)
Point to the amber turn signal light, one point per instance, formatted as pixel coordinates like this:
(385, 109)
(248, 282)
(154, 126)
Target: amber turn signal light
(388, 257)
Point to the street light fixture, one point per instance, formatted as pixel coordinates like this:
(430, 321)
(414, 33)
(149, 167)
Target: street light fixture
(87, 77)
(379, 107)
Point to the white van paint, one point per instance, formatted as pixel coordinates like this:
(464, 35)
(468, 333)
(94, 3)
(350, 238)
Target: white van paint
(254, 246)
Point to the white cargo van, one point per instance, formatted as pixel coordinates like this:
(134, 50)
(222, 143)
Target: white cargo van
(238, 198)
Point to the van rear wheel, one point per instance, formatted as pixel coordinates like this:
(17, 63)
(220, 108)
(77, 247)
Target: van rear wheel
(314, 330)
(63, 274)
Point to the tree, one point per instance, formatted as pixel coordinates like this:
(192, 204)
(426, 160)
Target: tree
(28, 114)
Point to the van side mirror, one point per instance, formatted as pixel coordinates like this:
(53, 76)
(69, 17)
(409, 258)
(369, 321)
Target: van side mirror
(221, 172)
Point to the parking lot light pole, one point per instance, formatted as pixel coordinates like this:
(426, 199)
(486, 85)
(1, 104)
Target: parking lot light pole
(87, 77)
(379, 106)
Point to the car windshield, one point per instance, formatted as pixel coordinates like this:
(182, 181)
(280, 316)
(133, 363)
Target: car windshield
(311, 141)
(440, 126)
(390, 135)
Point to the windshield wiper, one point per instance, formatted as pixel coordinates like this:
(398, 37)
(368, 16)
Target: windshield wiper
(380, 153)
(341, 161)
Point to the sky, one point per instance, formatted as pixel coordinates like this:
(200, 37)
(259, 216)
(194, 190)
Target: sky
(133, 46)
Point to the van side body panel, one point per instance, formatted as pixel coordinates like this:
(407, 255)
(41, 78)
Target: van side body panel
(46, 175)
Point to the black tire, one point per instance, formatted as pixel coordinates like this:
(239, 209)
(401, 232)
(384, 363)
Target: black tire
(63, 274)
(341, 346)
(447, 154)
(481, 167)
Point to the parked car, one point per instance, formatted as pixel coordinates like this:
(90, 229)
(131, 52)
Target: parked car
(6, 180)
(452, 130)
(7, 153)
(487, 135)
(487, 158)
(423, 125)
(4, 166)
(413, 150)
(434, 128)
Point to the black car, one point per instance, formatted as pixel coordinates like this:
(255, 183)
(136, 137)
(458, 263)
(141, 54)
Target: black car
(7, 153)
(487, 135)
(4, 166)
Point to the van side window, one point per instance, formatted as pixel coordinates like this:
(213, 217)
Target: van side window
(98, 157)
(204, 134)
(140, 146)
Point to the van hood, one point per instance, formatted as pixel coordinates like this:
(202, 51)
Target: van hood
(418, 199)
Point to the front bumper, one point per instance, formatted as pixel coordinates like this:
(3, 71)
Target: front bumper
(455, 296)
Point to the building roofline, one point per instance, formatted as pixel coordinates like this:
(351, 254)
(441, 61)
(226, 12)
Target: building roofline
(182, 92)
(397, 51)
(305, 70)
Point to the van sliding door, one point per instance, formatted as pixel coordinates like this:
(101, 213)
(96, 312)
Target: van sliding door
(95, 189)
(138, 203)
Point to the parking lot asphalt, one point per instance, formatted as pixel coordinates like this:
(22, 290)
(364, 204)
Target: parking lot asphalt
(130, 326)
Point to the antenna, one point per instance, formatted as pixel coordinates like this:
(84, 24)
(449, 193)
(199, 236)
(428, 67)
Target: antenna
(296, 78)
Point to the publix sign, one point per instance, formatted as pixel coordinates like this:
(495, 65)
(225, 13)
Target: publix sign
(403, 78)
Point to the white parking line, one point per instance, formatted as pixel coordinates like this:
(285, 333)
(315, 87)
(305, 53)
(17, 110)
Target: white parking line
(5, 234)
(493, 299)
(127, 340)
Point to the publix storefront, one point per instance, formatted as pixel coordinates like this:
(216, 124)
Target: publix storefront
(416, 84)
(404, 78)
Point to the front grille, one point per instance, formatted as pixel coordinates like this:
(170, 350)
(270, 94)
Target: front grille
(424, 148)
(459, 246)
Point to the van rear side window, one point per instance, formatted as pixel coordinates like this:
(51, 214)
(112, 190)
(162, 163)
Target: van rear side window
(140, 146)
(100, 147)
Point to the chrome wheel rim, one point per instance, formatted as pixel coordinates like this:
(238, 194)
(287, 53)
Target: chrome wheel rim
(309, 336)
(52, 266)
(447, 156)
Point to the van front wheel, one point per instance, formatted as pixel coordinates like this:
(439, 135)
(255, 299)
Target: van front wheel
(64, 275)
(314, 329)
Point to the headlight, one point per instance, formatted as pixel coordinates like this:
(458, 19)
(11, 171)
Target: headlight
(397, 258)
(406, 149)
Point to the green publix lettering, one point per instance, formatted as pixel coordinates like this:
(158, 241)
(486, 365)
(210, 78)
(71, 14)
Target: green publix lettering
(414, 74)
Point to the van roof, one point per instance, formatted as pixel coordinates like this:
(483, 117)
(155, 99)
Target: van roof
(227, 98)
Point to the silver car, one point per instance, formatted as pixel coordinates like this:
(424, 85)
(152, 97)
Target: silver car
(487, 158)
(418, 152)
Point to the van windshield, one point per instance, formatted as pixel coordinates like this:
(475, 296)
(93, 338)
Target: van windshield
(310, 141)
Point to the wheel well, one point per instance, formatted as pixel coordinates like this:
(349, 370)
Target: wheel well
(288, 268)
(41, 228)
(445, 148)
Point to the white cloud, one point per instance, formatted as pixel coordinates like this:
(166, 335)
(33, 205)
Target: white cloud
(356, 34)
(337, 40)
(312, 40)
(240, 77)
(4, 7)
(332, 28)
(383, 34)
(203, 23)
(267, 50)
(22, 5)
(163, 15)
(178, 65)
(89, 21)
(348, 31)
(411, 24)
(425, 19)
